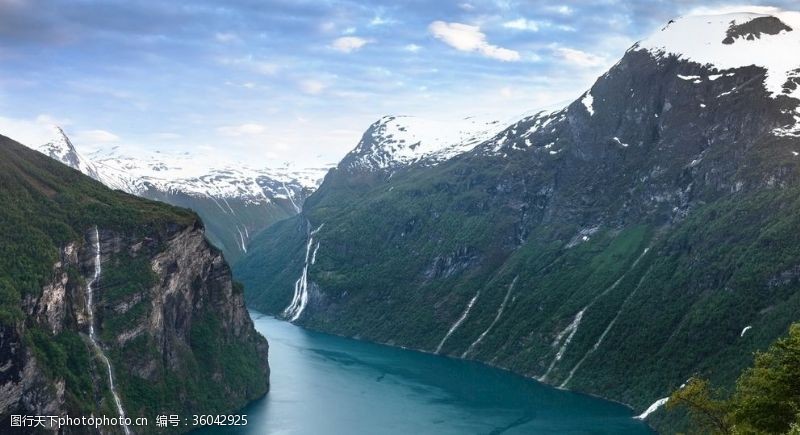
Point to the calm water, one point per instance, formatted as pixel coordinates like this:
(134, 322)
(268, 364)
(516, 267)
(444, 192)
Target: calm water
(323, 384)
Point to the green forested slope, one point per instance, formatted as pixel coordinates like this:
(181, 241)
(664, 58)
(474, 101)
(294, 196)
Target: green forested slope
(47, 211)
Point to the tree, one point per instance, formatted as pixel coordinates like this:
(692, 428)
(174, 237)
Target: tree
(766, 399)
(708, 414)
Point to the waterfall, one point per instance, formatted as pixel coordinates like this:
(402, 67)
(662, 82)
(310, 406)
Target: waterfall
(300, 297)
(291, 198)
(314, 255)
(458, 322)
(571, 329)
(494, 322)
(607, 330)
(241, 237)
(93, 334)
(653, 408)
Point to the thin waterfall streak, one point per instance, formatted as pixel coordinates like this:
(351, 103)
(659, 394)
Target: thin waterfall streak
(314, 255)
(225, 200)
(494, 322)
(241, 237)
(458, 322)
(571, 329)
(605, 332)
(92, 334)
(619, 280)
(291, 198)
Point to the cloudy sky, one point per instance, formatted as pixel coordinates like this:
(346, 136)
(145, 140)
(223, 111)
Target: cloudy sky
(273, 81)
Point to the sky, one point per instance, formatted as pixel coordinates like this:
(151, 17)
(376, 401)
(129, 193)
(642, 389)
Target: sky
(266, 82)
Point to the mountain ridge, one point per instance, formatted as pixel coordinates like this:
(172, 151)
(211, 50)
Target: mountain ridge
(599, 247)
(235, 201)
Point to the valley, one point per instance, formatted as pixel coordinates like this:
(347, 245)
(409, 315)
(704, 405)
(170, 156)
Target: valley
(626, 261)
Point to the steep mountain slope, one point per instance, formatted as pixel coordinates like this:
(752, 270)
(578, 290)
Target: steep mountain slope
(235, 203)
(616, 246)
(112, 304)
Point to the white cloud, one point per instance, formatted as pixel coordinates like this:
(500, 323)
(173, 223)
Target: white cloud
(29, 132)
(96, 136)
(464, 37)
(226, 38)
(579, 58)
(248, 129)
(349, 30)
(729, 9)
(562, 9)
(348, 44)
(413, 48)
(380, 21)
(522, 24)
(252, 64)
(311, 86)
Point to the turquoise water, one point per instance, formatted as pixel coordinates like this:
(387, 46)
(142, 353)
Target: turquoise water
(322, 384)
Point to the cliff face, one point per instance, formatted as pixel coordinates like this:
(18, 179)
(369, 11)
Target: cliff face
(123, 311)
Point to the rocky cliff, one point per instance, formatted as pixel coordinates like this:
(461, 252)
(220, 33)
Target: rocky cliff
(113, 305)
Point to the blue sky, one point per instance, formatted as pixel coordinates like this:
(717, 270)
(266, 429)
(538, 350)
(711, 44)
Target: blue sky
(271, 81)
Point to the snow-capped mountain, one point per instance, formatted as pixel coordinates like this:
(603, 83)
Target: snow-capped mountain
(236, 202)
(713, 53)
(181, 173)
(731, 41)
(60, 148)
(616, 246)
(396, 141)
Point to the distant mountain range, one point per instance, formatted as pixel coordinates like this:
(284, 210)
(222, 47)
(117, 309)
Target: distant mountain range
(644, 233)
(235, 203)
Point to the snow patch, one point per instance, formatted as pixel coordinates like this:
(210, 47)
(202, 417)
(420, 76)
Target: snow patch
(403, 140)
(700, 39)
(588, 102)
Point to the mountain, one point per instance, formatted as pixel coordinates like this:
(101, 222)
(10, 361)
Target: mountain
(397, 141)
(60, 148)
(114, 305)
(642, 234)
(235, 202)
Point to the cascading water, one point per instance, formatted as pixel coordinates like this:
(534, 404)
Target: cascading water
(609, 326)
(300, 298)
(458, 322)
(92, 333)
(494, 322)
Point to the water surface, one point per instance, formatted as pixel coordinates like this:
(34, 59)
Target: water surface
(322, 384)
